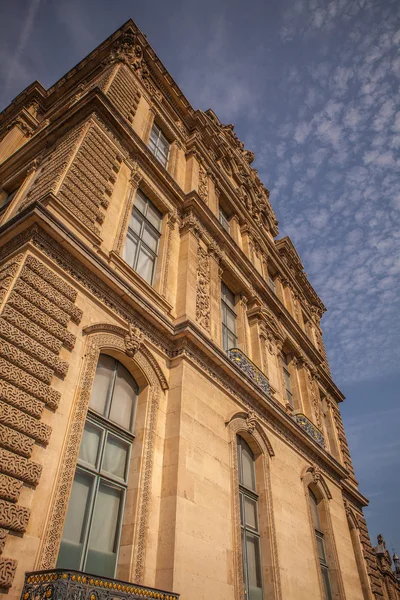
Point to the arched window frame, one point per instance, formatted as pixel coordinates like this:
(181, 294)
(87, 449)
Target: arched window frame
(127, 346)
(247, 426)
(314, 481)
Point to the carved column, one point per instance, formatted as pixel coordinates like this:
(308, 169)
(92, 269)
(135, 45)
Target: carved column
(168, 280)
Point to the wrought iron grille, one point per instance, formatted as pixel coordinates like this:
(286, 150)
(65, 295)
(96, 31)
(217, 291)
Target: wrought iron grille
(249, 369)
(62, 584)
(310, 428)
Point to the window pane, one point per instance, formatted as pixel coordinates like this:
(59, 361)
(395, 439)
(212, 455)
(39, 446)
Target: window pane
(102, 551)
(230, 321)
(321, 547)
(154, 134)
(89, 449)
(145, 264)
(327, 583)
(154, 216)
(140, 201)
(315, 511)
(161, 157)
(124, 398)
(228, 296)
(135, 222)
(232, 340)
(248, 475)
(102, 382)
(251, 512)
(75, 523)
(254, 567)
(150, 238)
(115, 456)
(130, 250)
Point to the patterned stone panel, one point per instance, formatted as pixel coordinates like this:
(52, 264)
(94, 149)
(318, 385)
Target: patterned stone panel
(36, 298)
(7, 571)
(20, 421)
(19, 467)
(48, 275)
(16, 442)
(10, 488)
(27, 344)
(124, 93)
(370, 558)
(13, 516)
(53, 168)
(90, 178)
(33, 331)
(343, 441)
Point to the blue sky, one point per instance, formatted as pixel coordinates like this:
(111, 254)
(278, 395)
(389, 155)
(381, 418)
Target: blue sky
(312, 87)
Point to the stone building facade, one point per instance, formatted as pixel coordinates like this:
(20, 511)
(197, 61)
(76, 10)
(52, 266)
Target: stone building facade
(167, 413)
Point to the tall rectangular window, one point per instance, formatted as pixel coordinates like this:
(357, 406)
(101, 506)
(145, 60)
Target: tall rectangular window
(271, 283)
(228, 309)
(7, 200)
(286, 378)
(159, 145)
(224, 220)
(142, 239)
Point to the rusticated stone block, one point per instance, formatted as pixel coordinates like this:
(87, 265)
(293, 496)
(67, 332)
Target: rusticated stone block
(49, 276)
(53, 295)
(26, 382)
(3, 537)
(16, 356)
(13, 516)
(15, 441)
(25, 402)
(7, 571)
(19, 467)
(41, 302)
(29, 310)
(10, 488)
(30, 328)
(33, 348)
(16, 419)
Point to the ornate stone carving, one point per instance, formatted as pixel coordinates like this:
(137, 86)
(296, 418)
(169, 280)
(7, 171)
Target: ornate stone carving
(203, 183)
(3, 537)
(20, 421)
(7, 571)
(203, 288)
(29, 384)
(133, 340)
(20, 399)
(13, 516)
(251, 421)
(16, 442)
(10, 488)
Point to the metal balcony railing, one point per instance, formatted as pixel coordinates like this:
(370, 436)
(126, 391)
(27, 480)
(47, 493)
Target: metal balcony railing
(67, 584)
(310, 428)
(250, 369)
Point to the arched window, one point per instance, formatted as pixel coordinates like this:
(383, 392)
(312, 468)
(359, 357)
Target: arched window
(316, 518)
(92, 527)
(252, 565)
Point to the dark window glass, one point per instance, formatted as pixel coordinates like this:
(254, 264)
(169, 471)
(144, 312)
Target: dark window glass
(159, 145)
(7, 200)
(142, 239)
(229, 337)
(224, 220)
(92, 527)
(252, 566)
